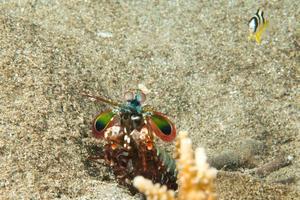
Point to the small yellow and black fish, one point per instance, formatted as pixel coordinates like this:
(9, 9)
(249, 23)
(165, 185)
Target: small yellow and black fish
(257, 26)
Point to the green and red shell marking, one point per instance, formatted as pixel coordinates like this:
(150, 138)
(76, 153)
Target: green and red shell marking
(103, 121)
(162, 126)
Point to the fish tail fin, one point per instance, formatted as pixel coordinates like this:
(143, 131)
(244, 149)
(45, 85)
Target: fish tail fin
(258, 38)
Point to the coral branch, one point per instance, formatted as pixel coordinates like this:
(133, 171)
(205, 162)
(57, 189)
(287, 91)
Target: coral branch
(195, 176)
(153, 191)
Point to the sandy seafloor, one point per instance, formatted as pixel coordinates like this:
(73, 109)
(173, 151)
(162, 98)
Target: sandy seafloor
(195, 58)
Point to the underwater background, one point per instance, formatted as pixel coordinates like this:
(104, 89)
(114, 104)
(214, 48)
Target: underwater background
(237, 99)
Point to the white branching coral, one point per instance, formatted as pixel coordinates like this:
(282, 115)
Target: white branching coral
(195, 176)
(153, 191)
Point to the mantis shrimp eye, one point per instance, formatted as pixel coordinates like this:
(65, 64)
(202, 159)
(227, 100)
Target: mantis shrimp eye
(162, 126)
(137, 95)
(102, 121)
(128, 96)
(140, 96)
